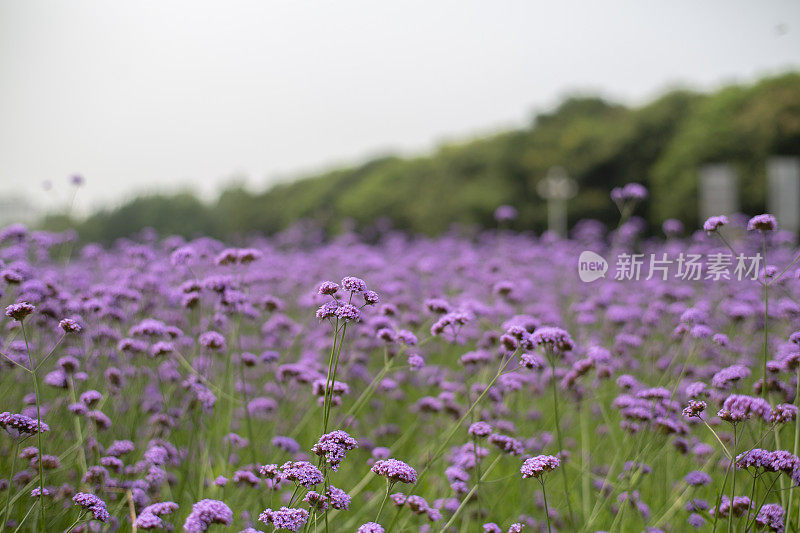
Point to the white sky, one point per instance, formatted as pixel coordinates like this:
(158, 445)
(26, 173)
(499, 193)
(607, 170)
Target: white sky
(159, 95)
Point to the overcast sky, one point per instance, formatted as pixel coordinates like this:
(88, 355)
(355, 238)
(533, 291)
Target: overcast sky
(158, 95)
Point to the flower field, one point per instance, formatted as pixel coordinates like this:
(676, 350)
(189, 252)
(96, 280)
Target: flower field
(466, 383)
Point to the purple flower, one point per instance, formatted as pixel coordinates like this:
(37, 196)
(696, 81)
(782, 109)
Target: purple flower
(303, 473)
(348, 313)
(770, 516)
(328, 288)
(19, 311)
(714, 223)
(762, 223)
(697, 478)
(120, 447)
(480, 429)
(775, 461)
(552, 338)
(395, 470)
(631, 192)
(539, 465)
(70, 326)
(338, 498)
(212, 340)
(725, 377)
(371, 298)
(90, 398)
(93, 504)
(354, 284)
(287, 444)
(739, 407)
(415, 362)
(327, 310)
(505, 213)
(371, 527)
(694, 409)
(21, 424)
(206, 513)
(334, 446)
(783, 413)
(286, 518)
(510, 445)
(672, 227)
(149, 517)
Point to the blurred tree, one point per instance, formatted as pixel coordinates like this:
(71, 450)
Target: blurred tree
(600, 144)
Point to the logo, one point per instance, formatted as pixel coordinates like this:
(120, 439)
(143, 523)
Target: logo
(591, 266)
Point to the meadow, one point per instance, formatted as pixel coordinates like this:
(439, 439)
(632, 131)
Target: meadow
(468, 382)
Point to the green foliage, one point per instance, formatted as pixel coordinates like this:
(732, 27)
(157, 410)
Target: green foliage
(601, 145)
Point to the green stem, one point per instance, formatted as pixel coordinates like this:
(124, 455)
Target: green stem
(383, 503)
(38, 427)
(77, 424)
(75, 523)
(733, 481)
(546, 510)
(557, 425)
(466, 498)
(796, 448)
(449, 436)
(10, 481)
(764, 387)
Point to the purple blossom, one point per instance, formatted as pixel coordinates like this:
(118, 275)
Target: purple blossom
(22, 425)
(93, 504)
(714, 223)
(303, 473)
(19, 311)
(371, 527)
(285, 518)
(553, 338)
(395, 470)
(539, 465)
(205, 513)
(762, 223)
(334, 446)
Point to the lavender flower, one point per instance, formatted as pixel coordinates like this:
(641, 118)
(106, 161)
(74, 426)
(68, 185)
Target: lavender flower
(762, 223)
(19, 311)
(286, 518)
(539, 465)
(303, 473)
(334, 446)
(714, 223)
(770, 516)
(93, 504)
(371, 527)
(205, 513)
(21, 424)
(395, 470)
(552, 338)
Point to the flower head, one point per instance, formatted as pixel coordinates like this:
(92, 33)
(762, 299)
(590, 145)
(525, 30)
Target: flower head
(303, 473)
(555, 339)
(395, 470)
(19, 311)
(762, 223)
(290, 519)
(714, 223)
(70, 326)
(539, 465)
(22, 424)
(93, 504)
(354, 284)
(205, 513)
(371, 527)
(334, 446)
